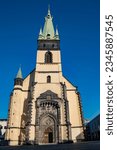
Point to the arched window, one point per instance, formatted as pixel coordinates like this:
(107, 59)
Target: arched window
(48, 57)
(48, 79)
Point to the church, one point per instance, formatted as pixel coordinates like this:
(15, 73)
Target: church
(45, 107)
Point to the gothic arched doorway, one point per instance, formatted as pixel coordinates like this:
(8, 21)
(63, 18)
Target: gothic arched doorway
(48, 129)
(48, 136)
(47, 118)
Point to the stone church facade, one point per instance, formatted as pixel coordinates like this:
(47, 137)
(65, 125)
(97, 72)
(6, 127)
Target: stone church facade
(44, 106)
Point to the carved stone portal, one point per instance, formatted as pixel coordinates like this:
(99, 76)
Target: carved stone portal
(47, 118)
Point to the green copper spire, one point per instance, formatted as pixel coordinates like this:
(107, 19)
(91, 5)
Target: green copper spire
(19, 74)
(48, 31)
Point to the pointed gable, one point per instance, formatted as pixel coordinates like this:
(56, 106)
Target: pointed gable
(48, 93)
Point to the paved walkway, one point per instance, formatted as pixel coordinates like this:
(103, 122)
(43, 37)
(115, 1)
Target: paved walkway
(77, 146)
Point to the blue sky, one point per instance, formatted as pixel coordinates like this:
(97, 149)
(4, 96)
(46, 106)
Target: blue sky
(78, 25)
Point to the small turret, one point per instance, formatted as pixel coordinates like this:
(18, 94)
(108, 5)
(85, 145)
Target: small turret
(40, 34)
(19, 79)
(16, 110)
(57, 34)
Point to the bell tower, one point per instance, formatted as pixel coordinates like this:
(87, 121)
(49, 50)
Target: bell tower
(48, 52)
